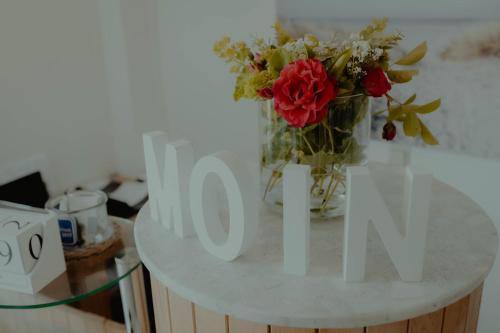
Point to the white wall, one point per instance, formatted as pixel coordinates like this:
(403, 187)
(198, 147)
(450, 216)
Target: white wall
(136, 90)
(53, 96)
(80, 83)
(364, 9)
(198, 84)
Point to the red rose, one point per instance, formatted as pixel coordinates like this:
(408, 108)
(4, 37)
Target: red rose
(375, 82)
(302, 92)
(265, 93)
(389, 131)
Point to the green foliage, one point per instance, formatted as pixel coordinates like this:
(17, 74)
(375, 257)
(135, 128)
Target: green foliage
(237, 53)
(414, 55)
(410, 99)
(429, 107)
(258, 66)
(277, 60)
(427, 135)
(375, 34)
(282, 37)
(339, 64)
(407, 113)
(401, 76)
(377, 26)
(411, 124)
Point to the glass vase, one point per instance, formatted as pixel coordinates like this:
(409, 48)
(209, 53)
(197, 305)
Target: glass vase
(329, 147)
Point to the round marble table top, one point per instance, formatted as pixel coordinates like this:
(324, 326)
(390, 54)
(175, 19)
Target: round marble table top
(461, 248)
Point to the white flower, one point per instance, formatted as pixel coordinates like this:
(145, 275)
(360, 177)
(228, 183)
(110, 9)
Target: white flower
(377, 53)
(355, 69)
(296, 49)
(360, 49)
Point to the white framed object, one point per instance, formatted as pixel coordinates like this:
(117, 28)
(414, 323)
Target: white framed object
(365, 204)
(242, 205)
(296, 218)
(31, 251)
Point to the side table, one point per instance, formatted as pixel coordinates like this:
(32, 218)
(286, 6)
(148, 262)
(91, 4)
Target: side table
(196, 292)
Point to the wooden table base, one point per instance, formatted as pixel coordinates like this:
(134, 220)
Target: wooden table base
(174, 314)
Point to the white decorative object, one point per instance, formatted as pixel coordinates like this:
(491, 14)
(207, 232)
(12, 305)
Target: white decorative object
(168, 167)
(365, 203)
(242, 205)
(296, 218)
(31, 253)
(21, 243)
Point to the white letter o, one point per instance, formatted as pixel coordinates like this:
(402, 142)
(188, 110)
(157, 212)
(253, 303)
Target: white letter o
(204, 211)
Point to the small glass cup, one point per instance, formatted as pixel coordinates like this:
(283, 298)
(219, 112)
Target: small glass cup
(83, 218)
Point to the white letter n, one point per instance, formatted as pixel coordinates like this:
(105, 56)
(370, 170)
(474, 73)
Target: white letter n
(365, 204)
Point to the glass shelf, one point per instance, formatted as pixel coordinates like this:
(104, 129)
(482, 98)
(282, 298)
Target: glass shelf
(82, 279)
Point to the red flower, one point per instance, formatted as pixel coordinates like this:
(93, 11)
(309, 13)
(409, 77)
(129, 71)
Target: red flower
(375, 82)
(265, 93)
(302, 92)
(389, 131)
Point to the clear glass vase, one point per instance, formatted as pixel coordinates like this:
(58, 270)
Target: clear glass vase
(329, 147)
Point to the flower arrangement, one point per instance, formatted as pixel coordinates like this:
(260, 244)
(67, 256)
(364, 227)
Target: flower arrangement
(315, 99)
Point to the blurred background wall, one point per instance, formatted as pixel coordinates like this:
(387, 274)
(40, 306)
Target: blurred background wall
(79, 83)
(366, 9)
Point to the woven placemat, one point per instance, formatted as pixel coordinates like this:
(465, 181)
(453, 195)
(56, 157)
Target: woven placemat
(92, 250)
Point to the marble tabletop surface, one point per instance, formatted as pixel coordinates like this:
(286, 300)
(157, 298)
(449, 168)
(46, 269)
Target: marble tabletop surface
(461, 248)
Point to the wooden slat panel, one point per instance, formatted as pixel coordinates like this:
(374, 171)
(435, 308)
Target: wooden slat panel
(455, 316)
(110, 326)
(6, 323)
(208, 321)
(243, 326)
(397, 327)
(474, 308)
(58, 320)
(96, 325)
(161, 306)
(429, 323)
(76, 320)
(137, 281)
(341, 330)
(42, 320)
(181, 314)
(279, 329)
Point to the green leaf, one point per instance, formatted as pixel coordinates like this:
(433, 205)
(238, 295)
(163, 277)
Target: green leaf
(276, 61)
(411, 124)
(344, 92)
(397, 113)
(429, 107)
(410, 100)
(348, 85)
(282, 36)
(414, 55)
(427, 135)
(377, 26)
(401, 76)
(341, 62)
(239, 87)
